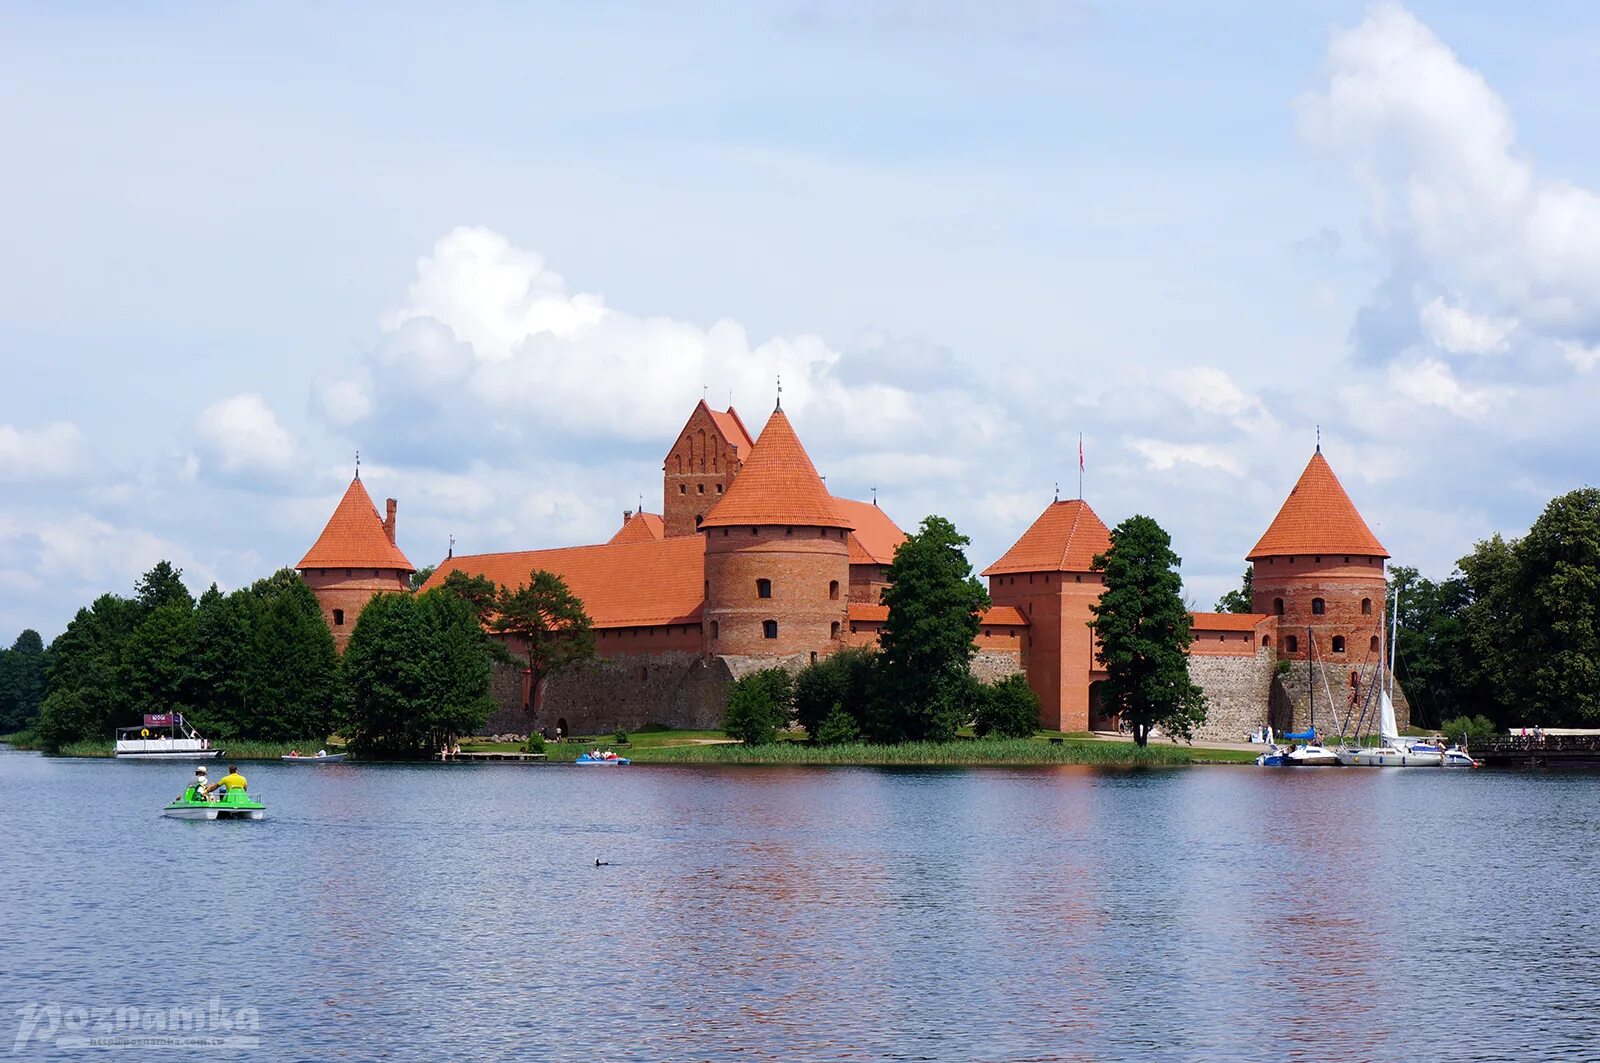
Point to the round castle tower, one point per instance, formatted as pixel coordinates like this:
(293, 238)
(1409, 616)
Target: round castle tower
(777, 556)
(354, 558)
(1320, 571)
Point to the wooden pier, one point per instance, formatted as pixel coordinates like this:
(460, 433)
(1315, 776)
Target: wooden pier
(1541, 751)
(496, 757)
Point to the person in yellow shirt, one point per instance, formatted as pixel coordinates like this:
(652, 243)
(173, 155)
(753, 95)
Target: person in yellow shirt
(233, 780)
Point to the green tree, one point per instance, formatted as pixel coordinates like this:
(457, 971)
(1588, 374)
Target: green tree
(759, 705)
(545, 624)
(1144, 633)
(839, 682)
(157, 666)
(1239, 601)
(1558, 574)
(162, 585)
(420, 576)
(837, 728)
(84, 698)
(22, 684)
(923, 688)
(293, 673)
(1007, 709)
(219, 675)
(1433, 659)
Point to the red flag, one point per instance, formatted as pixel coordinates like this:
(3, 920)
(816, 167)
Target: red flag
(1080, 451)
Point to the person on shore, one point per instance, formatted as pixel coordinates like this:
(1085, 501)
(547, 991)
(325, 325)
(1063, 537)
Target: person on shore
(232, 780)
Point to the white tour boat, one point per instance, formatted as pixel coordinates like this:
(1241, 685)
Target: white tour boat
(164, 736)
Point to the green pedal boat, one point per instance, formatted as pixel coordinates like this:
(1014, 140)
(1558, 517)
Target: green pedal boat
(234, 804)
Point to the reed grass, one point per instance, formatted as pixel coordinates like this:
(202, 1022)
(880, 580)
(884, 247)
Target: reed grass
(989, 751)
(236, 749)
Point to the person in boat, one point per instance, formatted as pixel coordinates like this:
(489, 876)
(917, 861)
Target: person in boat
(294, 752)
(231, 781)
(594, 754)
(324, 752)
(608, 755)
(198, 791)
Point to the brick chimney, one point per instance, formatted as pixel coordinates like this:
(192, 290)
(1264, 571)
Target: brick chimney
(388, 522)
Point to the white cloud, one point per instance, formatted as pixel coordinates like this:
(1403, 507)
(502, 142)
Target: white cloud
(1585, 358)
(1431, 383)
(56, 450)
(242, 435)
(1160, 455)
(1451, 195)
(344, 402)
(1459, 331)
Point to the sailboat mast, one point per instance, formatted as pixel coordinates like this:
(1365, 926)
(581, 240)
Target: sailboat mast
(1394, 639)
(1311, 682)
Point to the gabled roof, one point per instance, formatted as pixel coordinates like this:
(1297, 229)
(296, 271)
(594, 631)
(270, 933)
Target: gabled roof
(777, 485)
(1065, 538)
(638, 584)
(1318, 518)
(1226, 621)
(732, 429)
(639, 528)
(995, 616)
(875, 538)
(354, 537)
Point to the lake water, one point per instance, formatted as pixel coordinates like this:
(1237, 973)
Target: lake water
(434, 912)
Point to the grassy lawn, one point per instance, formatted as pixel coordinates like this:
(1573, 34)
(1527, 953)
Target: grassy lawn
(640, 744)
(236, 749)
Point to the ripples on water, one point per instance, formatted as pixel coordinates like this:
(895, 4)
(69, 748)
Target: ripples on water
(1043, 913)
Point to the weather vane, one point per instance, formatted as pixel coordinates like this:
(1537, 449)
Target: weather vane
(358, 465)
(780, 391)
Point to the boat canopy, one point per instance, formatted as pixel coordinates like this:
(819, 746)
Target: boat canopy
(1302, 736)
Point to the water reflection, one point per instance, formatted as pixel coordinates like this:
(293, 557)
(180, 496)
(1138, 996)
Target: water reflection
(839, 913)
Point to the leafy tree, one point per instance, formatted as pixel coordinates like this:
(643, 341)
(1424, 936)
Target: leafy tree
(1470, 728)
(293, 670)
(923, 685)
(839, 682)
(22, 684)
(1008, 709)
(1144, 633)
(85, 699)
(480, 591)
(157, 663)
(759, 705)
(546, 624)
(162, 585)
(837, 728)
(1557, 573)
(1433, 657)
(420, 576)
(1239, 601)
(219, 673)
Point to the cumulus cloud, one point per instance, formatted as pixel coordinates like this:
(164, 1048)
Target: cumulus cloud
(241, 435)
(1430, 382)
(1454, 201)
(56, 450)
(1160, 454)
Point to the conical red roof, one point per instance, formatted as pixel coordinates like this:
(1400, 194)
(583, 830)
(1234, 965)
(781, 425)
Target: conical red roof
(777, 485)
(1065, 538)
(354, 537)
(1318, 518)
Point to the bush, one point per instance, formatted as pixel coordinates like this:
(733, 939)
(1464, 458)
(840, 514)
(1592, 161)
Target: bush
(1471, 728)
(620, 738)
(758, 706)
(535, 744)
(836, 728)
(839, 682)
(1007, 709)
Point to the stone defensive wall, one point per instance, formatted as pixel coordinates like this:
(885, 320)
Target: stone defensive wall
(1238, 690)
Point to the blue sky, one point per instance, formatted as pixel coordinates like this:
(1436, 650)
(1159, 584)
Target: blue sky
(500, 250)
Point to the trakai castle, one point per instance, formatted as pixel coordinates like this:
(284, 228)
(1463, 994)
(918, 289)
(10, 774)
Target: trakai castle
(751, 563)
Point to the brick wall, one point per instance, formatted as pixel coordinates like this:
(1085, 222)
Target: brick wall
(809, 574)
(1351, 590)
(1329, 684)
(1058, 643)
(701, 466)
(343, 593)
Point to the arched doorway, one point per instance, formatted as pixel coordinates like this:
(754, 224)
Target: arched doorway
(1102, 716)
(561, 730)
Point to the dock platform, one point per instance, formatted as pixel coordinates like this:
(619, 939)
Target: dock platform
(496, 757)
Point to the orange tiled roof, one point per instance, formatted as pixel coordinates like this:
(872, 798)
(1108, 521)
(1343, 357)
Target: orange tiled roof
(732, 429)
(1318, 518)
(637, 584)
(642, 527)
(995, 616)
(1005, 615)
(875, 538)
(354, 537)
(777, 485)
(1065, 538)
(1226, 621)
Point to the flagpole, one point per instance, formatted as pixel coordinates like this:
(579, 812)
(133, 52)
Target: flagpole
(1080, 466)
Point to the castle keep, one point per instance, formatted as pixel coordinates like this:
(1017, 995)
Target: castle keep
(753, 563)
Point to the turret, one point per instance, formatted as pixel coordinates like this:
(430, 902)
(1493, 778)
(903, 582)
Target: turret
(777, 555)
(354, 558)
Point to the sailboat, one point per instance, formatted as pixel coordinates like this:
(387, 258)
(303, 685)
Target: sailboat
(1313, 754)
(1390, 752)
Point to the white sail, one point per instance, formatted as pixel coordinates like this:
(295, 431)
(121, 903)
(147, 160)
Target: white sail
(1386, 722)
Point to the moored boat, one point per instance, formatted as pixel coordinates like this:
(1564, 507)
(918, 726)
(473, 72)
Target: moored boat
(316, 758)
(611, 761)
(1310, 755)
(1389, 756)
(164, 736)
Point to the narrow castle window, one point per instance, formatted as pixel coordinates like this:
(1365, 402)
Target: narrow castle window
(1291, 644)
(338, 618)
(1366, 607)
(715, 630)
(719, 489)
(1266, 640)
(1318, 607)
(1372, 644)
(755, 531)
(1277, 606)
(698, 520)
(700, 489)
(763, 588)
(833, 590)
(769, 629)
(834, 632)
(1338, 644)
(683, 489)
